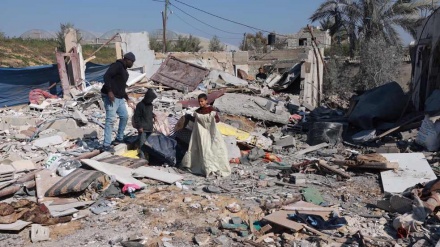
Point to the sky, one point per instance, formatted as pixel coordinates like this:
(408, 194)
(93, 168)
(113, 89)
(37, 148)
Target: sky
(100, 16)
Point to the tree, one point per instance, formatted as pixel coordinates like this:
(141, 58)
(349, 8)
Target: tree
(379, 63)
(2, 35)
(372, 18)
(255, 42)
(187, 44)
(215, 44)
(156, 44)
(61, 34)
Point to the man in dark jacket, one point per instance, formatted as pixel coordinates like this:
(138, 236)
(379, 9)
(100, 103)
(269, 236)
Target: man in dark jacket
(143, 119)
(114, 96)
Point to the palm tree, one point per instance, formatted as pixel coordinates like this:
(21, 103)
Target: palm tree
(345, 15)
(373, 17)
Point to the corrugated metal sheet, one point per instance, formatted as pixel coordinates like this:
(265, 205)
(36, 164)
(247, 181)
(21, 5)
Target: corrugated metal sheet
(179, 74)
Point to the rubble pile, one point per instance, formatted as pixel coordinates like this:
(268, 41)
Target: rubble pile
(297, 175)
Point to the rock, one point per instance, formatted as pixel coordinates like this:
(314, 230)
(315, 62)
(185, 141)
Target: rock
(286, 142)
(421, 243)
(121, 149)
(383, 221)
(187, 199)
(202, 239)
(79, 116)
(288, 237)
(236, 220)
(234, 207)
(223, 240)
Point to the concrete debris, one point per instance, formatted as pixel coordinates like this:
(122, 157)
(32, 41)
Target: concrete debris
(294, 172)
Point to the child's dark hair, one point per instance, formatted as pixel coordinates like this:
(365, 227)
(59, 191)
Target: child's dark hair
(203, 96)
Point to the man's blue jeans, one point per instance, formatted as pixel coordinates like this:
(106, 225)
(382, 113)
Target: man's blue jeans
(111, 110)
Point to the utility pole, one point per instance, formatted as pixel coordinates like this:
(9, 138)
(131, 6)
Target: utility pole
(164, 26)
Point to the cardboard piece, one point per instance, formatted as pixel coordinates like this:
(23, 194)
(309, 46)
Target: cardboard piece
(413, 169)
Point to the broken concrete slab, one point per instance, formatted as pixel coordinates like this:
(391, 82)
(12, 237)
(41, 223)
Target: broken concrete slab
(413, 169)
(227, 79)
(18, 121)
(122, 174)
(286, 142)
(23, 165)
(79, 116)
(16, 226)
(244, 105)
(39, 233)
(155, 174)
(48, 141)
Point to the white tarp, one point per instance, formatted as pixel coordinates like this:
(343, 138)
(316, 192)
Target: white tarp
(207, 153)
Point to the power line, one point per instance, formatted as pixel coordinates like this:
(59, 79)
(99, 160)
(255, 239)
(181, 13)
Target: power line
(238, 23)
(203, 21)
(200, 29)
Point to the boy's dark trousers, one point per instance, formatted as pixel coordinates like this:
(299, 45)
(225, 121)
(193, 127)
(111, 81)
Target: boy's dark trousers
(142, 139)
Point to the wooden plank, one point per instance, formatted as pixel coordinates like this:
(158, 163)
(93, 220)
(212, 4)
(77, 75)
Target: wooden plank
(311, 149)
(323, 164)
(413, 169)
(122, 174)
(281, 218)
(16, 226)
(309, 208)
(155, 174)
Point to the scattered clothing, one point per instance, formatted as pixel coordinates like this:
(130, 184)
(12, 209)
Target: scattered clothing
(37, 96)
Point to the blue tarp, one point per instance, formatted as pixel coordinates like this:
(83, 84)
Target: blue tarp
(16, 83)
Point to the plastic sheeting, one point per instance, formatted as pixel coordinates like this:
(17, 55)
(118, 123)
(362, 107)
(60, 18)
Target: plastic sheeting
(378, 105)
(161, 149)
(16, 83)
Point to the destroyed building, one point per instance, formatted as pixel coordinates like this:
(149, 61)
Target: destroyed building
(280, 167)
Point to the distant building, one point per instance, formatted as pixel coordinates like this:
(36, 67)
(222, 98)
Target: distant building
(304, 39)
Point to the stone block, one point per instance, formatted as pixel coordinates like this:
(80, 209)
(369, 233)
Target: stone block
(39, 233)
(298, 178)
(286, 142)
